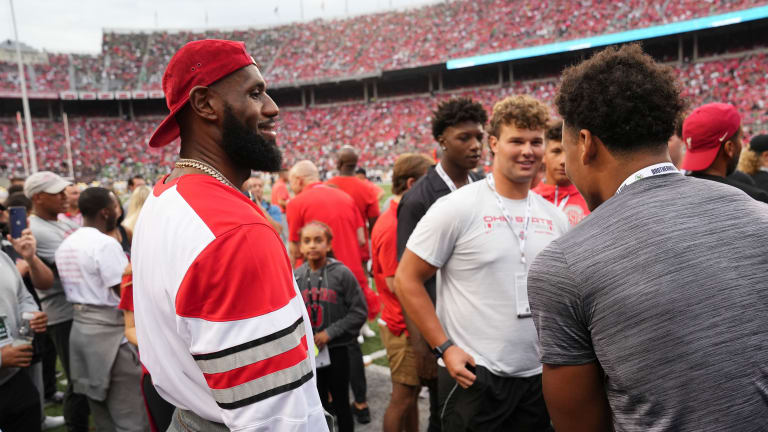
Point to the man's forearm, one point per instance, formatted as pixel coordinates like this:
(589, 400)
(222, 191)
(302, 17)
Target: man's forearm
(41, 274)
(419, 308)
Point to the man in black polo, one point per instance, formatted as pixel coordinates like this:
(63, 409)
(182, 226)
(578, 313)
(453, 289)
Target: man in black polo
(458, 127)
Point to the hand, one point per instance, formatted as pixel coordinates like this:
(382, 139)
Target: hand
(456, 360)
(26, 245)
(16, 356)
(39, 323)
(321, 339)
(23, 267)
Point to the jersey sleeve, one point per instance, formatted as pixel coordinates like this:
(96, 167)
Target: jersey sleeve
(558, 312)
(240, 313)
(435, 235)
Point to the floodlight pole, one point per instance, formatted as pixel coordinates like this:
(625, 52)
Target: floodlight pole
(22, 144)
(24, 98)
(69, 146)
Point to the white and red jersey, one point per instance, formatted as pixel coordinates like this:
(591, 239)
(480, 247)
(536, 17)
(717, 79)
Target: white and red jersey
(221, 325)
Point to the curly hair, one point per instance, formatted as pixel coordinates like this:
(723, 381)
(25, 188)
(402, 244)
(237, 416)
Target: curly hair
(456, 111)
(749, 162)
(520, 111)
(554, 131)
(623, 97)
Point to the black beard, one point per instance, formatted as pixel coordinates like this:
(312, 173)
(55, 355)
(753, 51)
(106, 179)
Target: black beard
(249, 149)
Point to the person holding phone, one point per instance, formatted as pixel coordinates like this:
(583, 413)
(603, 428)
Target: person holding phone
(46, 190)
(19, 399)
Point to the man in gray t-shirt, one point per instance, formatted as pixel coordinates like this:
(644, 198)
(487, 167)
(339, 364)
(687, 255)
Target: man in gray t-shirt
(46, 190)
(652, 312)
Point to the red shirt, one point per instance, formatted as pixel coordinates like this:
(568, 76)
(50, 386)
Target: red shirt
(384, 251)
(365, 197)
(568, 198)
(361, 192)
(280, 192)
(336, 209)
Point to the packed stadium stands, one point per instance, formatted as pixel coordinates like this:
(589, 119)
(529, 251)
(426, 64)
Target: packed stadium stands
(380, 129)
(332, 49)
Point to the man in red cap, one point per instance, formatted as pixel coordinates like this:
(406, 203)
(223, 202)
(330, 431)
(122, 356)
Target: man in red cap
(712, 136)
(221, 325)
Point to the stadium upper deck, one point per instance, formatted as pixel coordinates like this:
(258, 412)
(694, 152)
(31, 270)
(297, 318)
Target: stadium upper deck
(326, 50)
(115, 147)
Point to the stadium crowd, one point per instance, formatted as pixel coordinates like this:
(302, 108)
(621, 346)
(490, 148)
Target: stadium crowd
(324, 49)
(540, 326)
(115, 148)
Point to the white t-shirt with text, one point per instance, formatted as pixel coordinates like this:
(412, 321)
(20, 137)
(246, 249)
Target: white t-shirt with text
(90, 263)
(466, 235)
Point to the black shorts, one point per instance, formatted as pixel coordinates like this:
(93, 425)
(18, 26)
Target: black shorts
(492, 403)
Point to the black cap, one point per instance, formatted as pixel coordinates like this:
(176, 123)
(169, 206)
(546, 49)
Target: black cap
(759, 143)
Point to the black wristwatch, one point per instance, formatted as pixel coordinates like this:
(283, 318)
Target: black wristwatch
(438, 351)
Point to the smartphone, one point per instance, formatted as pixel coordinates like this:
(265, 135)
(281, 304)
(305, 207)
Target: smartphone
(18, 220)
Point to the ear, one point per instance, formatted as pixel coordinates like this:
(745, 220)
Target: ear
(104, 213)
(410, 182)
(493, 142)
(730, 149)
(204, 102)
(588, 146)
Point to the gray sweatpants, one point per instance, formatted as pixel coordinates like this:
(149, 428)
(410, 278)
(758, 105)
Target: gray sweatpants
(123, 409)
(187, 421)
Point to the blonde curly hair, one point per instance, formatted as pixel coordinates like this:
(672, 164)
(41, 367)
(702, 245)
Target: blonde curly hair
(749, 162)
(520, 111)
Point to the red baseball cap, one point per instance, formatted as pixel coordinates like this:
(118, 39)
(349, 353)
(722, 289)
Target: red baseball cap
(704, 131)
(198, 63)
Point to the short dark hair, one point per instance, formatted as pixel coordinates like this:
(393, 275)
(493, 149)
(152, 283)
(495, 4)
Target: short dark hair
(136, 177)
(12, 189)
(93, 200)
(362, 171)
(622, 96)
(18, 199)
(456, 111)
(554, 131)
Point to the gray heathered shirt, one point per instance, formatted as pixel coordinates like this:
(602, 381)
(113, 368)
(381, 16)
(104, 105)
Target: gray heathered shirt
(49, 235)
(666, 285)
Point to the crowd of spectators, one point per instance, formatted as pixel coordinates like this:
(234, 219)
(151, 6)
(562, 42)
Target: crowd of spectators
(332, 49)
(380, 130)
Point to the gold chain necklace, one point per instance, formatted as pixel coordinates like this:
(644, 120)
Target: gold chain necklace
(204, 167)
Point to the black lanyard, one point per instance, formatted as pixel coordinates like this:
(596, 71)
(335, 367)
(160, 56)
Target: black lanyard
(315, 308)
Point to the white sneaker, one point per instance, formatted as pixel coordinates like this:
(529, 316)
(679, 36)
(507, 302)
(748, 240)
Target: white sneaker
(366, 331)
(52, 422)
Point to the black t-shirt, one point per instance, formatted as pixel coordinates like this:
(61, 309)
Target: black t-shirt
(761, 180)
(414, 205)
(753, 191)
